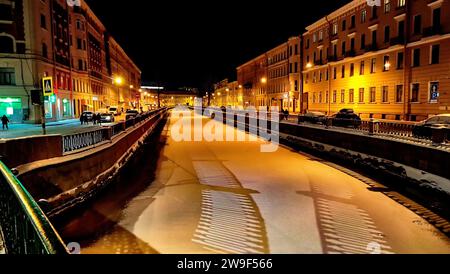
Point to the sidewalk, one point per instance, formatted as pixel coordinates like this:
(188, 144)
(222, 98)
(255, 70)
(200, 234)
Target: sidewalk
(2, 247)
(61, 127)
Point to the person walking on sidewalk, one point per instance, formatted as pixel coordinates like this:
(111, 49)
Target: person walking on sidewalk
(5, 122)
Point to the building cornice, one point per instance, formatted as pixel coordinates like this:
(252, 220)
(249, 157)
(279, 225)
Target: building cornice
(350, 6)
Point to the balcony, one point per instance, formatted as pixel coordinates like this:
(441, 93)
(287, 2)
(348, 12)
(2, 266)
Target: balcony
(350, 53)
(433, 30)
(372, 47)
(400, 40)
(318, 62)
(333, 58)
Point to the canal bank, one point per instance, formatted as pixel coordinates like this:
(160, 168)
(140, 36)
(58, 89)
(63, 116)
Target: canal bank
(61, 182)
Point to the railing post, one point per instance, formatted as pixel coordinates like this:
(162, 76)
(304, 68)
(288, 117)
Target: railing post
(373, 127)
(439, 135)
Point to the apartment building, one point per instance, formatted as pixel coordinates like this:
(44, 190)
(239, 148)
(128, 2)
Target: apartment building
(49, 38)
(273, 78)
(252, 77)
(388, 62)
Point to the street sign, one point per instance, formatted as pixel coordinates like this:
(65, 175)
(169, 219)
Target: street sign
(47, 86)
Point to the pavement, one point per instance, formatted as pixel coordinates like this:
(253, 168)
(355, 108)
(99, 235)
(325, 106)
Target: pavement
(228, 197)
(65, 127)
(2, 247)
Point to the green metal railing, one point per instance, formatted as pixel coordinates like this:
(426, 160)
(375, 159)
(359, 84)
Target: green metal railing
(25, 228)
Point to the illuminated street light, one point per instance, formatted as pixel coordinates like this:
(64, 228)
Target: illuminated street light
(118, 80)
(263, 80)
(309, 65)
(131, 86)
(218, 94)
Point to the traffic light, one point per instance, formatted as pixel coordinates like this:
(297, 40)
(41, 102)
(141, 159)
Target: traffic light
(37, 98)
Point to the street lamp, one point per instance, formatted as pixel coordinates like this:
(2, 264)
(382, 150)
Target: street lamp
(264, 80)
(118, 80)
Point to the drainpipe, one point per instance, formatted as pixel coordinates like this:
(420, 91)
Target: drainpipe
(407, 70)
(328, 65)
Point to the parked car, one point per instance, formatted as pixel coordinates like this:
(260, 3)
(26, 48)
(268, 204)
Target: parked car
(346, 118)
(314, 117)
(107, 118)
(87, 116)
(114, 111)
(131, 114)
(424, 129)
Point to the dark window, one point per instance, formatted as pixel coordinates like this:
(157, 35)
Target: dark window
(7, 76)
(415, 93)
(6, 12)
(437, 17)
(352, 44)
(353, 22)
(80, 64)
(44, 50)
(361, 68)
(416, 58)
(6, 44)
(374, 38)
(400, 60)
(352, 69)
(343, 71)
(401, 29)
(363, 41)
(351, 96)
(344, 48)
(344, 25)
(435, 53)
(79, 44)
(418, 24)
(43, 22)
(387, 34)
(399, 94)
(374, 12)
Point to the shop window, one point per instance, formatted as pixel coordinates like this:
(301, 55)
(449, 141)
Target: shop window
(7, 77)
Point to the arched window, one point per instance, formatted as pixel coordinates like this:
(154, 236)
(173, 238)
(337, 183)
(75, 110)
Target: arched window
(6, 44)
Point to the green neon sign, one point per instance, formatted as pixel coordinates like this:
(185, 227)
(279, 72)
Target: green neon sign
(10, 100)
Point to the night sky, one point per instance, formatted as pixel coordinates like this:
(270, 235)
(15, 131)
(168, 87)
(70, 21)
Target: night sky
(197, 43)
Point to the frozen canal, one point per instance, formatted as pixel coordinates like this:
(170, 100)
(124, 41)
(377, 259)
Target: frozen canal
(228, 197)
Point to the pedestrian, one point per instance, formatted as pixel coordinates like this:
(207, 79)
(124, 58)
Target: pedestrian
(82, 119)
(99, 119)
(5, 122)
(286, 114)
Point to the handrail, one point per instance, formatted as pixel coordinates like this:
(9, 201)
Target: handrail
(25, 227)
